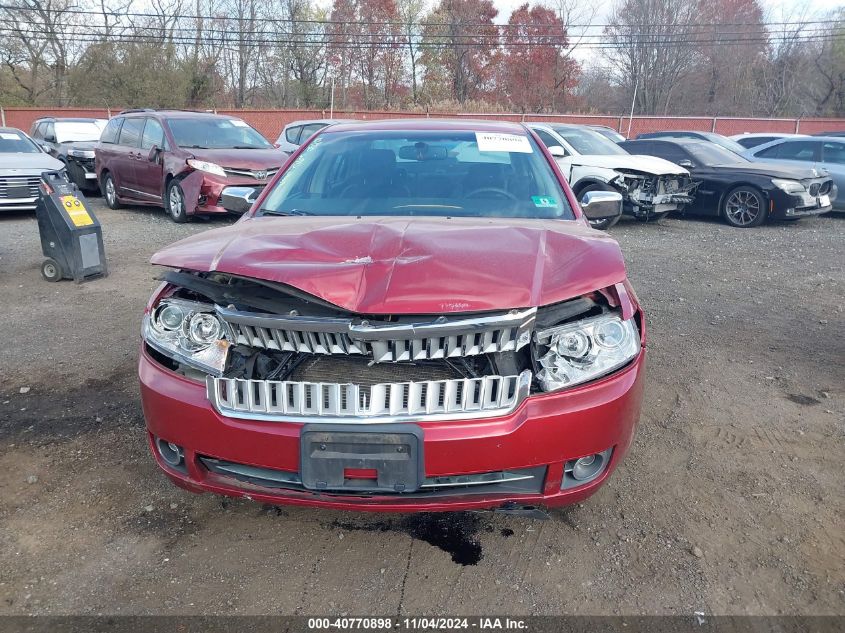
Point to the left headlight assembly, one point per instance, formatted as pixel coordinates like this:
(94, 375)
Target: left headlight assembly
(188, 332)
(578, 352)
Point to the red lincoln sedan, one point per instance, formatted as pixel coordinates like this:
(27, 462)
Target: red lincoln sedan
(413, 315)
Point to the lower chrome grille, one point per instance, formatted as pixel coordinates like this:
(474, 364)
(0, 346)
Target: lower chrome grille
(290, 401)
(12, 187)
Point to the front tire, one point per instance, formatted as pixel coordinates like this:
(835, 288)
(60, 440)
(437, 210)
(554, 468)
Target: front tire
(744, 207)
(606, 223)
(175, 201)
(110, 191)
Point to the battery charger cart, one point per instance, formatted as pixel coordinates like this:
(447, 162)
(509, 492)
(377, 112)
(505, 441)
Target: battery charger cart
(71, 235)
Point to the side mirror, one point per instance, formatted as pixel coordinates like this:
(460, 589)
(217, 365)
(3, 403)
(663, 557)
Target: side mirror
(238, 199)
(153, 155)
(557, 151)
(600, 205)
(686, 164)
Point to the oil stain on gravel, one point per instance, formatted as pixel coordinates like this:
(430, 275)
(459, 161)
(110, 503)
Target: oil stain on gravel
(453, 532)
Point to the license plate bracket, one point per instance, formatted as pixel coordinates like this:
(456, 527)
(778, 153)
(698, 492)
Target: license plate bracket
(384, 459)
(18, 191)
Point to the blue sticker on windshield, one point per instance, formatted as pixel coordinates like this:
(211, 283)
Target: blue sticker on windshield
(544, 202)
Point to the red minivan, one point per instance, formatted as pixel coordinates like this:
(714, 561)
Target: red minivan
(180, 160)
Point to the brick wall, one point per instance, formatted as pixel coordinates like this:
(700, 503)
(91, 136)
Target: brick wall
(271, 122)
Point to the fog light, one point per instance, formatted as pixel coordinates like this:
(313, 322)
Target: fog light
(577, 472)
(171, 453)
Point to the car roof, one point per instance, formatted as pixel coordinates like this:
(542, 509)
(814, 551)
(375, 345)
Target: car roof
(177, 114)
(758, 134)
(312, 121)
(669, 139)
(444, 125)
(11, 129)
(62, 119)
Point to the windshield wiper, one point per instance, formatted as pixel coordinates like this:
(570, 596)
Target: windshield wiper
(291, 212)
(246, 147)
(194, 147)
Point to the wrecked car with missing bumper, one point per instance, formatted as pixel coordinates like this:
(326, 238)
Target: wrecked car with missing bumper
(412, 316)
(651, 187)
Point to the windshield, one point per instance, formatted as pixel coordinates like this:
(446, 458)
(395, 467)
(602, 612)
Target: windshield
(208, 133)
(712, 154)
(420, 173)
(13, 142)
(70, 131)
(727, 143)
(586, 141)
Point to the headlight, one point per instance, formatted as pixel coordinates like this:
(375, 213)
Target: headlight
(189, 332)
(81, 153)
(789, 186)
(577, 352)
(211, 168)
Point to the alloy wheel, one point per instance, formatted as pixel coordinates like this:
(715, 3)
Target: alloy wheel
(743, 207)
(176, 202)
(110, 192)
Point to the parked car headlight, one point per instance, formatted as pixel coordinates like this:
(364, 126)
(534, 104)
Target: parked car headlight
(81, 153)
(574, 353)
(188, 332)
(789, 186)
(211, 168)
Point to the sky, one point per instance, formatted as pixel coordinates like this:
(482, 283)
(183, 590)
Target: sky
(775, 10)
(776, 7)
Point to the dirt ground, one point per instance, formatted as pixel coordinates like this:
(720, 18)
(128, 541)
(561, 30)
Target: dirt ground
(730, 501)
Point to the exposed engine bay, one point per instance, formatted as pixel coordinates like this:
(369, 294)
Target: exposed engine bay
(646, 195)
(266, 348)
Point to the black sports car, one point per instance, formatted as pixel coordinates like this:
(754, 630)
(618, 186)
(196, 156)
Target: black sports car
(745, 194)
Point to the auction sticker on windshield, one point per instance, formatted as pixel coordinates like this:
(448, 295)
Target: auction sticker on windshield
(544, 202)
(493, 142)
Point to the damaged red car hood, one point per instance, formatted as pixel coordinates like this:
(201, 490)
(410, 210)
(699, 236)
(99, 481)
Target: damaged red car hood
(406, 265)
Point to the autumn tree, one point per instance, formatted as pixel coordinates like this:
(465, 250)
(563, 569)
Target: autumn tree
(461, 47)
(365, 51)
(534, 70)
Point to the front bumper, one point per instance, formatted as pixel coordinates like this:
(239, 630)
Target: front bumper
(544, 432)
(212, 187)
(787, 205)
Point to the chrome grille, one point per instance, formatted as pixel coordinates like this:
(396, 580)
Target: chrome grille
(386, 402)
(258, 174)
(391, 342)
(27, 186)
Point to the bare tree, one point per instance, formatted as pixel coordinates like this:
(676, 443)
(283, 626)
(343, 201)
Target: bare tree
(655, 49)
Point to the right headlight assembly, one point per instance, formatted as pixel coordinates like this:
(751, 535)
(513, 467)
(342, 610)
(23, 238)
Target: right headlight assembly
(189, 332)
(577, 352)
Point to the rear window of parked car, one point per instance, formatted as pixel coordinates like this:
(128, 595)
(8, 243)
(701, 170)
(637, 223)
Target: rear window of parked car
(130, 133)
(791, 150)
(109, 134)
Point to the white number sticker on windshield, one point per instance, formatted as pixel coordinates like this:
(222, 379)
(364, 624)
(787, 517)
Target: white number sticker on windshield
(238, 123)
(8, 136)
(493, 142)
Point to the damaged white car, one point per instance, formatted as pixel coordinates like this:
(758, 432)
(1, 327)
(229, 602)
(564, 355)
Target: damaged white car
(651, 187)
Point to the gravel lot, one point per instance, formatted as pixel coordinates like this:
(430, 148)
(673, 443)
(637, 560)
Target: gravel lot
(730, 501)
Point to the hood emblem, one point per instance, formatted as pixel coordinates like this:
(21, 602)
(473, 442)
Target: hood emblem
(260, 175)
